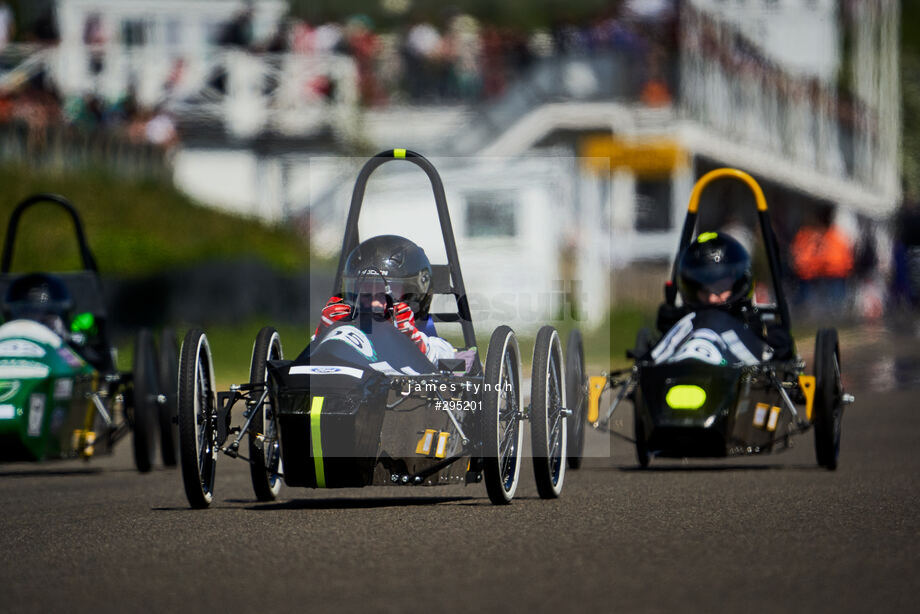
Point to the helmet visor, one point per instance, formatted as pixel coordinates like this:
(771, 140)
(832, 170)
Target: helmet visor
(714, 284)
(376, 290)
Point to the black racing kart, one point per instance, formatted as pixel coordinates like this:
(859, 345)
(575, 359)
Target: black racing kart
(61, 394)
(362, 406)
(710, 386)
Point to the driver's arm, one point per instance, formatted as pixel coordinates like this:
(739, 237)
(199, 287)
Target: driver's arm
(434, 348)
(336, 309)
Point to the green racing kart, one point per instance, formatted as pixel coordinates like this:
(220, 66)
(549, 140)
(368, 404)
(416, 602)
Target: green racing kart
(61, 395)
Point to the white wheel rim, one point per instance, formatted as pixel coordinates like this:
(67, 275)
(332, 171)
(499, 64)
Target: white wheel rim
(199, 386)
(508, 489)
(274, 479)
(559, 475)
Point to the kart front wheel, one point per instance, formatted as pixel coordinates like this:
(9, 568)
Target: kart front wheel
(642, 454)
(548, 423)
(197, 401)
(144, 405)
(264, 437)
(643, 346)
(576, 397)
(169, 383)
(828, 407)
(502, 403)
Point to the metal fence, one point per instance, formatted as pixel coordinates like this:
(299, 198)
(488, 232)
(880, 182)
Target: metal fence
(60, 147)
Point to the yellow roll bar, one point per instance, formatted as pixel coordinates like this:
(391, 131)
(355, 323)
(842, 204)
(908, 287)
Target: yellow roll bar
(719, 173)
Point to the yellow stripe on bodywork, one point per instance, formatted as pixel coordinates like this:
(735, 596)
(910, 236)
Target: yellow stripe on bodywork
(316, 436)
(399, 153)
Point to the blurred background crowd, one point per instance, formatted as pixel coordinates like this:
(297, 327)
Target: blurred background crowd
(573, 128)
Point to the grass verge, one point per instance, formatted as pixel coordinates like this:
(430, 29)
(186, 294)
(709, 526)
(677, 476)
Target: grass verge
(134, 227)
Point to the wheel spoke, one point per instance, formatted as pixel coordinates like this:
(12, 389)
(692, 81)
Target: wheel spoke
(507, 439)
(508, 456)
(556, 432)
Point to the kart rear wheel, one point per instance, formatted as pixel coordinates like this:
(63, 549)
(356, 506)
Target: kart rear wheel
(197, 401)
(265, 454)
(548, 423)
(576, 397)
(502, 401)
(828, 407)
(144, 404)
(169, 384)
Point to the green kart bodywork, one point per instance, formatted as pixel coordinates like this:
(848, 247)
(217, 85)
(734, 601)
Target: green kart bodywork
(61, 394)
(45, 392)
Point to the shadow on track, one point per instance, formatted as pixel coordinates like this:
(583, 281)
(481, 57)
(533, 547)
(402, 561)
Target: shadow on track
(672, 465)
(49, 473)
(339, 503)
(715, 468)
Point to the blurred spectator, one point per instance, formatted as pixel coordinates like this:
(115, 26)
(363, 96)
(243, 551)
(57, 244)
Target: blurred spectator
(655, 92)
(870, 291)
(238, 31)
(464, 49)
(44, 29)
(421, 52)
(906, 256)
(822, 257)
(362, 44)
(95, 36)
(161, 130)
(327, 37)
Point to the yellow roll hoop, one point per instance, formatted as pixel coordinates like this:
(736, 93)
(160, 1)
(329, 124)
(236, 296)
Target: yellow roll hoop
(719, 173)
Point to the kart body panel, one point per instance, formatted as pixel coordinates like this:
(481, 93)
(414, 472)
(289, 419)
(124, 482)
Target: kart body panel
(339, 417)
(735, 418)
(718, 356)
(44, 393)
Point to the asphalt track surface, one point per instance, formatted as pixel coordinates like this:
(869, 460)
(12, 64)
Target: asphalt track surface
(767, 533)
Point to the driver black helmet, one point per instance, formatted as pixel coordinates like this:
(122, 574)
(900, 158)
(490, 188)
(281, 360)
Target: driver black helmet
(38, 296)
(715, 270)
(389, 265)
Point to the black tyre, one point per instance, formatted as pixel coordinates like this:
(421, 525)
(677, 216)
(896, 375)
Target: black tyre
(144, 401)
(576, 397)
(264, 437)
(169, 388)
(642, 455)
(827, 412)
(502, 402)
(548, 424)
(197, 401)
(643, 346)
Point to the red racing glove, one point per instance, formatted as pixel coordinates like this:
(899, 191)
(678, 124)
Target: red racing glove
(405, 322)
(336, 309)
